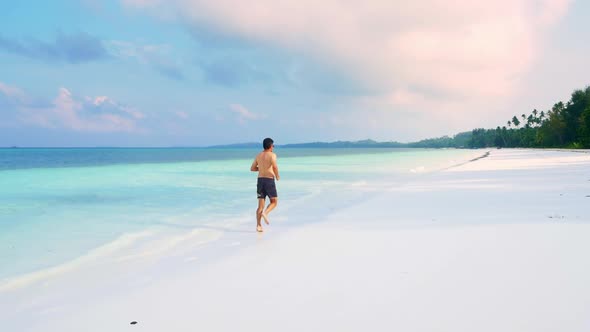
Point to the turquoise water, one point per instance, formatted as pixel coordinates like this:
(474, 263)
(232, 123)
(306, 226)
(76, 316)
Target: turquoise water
(58, 204)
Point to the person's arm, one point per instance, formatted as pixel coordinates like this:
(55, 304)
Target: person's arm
(254, 167)
(275, 167)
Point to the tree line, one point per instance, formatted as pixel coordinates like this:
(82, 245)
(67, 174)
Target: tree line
(565, 125)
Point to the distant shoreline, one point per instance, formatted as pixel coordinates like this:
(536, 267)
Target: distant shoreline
(312, 145)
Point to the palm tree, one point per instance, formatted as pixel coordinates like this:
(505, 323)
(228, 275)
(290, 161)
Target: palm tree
(536, 117)
(530, 120)
(515, 121)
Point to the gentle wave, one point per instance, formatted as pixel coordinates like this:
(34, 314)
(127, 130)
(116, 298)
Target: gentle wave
(107, 215)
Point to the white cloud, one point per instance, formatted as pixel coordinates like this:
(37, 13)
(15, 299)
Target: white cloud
(159, 56)
(182, 115)
(242, 111)
(12, 92)
(98, 114)
(243, 114)
(106, 103)
(446, 48)
(144, 53)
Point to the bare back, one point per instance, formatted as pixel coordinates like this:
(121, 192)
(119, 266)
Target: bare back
(266, 162)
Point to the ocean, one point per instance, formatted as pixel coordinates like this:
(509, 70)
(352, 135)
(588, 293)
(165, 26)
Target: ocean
(58, 205)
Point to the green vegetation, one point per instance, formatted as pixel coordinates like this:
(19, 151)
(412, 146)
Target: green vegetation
(563, 126)
(458, 141)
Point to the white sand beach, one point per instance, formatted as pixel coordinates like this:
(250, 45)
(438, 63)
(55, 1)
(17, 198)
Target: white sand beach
(497, 244)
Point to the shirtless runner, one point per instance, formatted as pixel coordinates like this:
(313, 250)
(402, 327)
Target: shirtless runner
(265, 164)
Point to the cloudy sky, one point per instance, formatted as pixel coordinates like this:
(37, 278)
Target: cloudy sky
(196, 73)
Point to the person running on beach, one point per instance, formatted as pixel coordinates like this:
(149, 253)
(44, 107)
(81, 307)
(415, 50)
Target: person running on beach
(265, 164)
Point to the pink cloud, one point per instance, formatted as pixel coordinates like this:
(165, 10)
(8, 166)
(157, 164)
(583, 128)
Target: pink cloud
(457, 47)
(99, 114)
(456, 63)
(243, 113)
(100, 100)
(12, 92)
(551, 11)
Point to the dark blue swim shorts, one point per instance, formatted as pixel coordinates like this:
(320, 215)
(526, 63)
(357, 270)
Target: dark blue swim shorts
(266, 187)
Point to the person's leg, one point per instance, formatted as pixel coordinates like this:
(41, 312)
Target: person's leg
(270, 207)
(271, 191)
(259, 214)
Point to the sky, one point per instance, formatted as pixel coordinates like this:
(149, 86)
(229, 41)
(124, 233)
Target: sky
(143, 73)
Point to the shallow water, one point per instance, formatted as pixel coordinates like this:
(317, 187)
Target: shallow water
(60, 204)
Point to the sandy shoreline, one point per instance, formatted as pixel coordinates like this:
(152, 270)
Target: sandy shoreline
(497, 244)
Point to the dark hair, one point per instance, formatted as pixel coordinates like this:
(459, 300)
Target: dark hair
(267, 143)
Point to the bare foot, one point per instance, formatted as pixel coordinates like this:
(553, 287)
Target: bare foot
(259, 229)
(265, 217)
